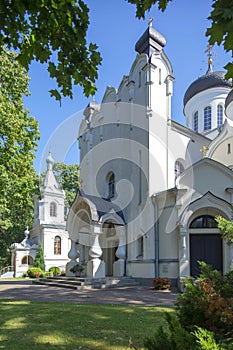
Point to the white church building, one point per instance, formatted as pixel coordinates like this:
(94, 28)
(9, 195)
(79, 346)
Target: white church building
(151, 187)
(49, 229)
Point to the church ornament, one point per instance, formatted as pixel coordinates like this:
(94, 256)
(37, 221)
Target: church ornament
(204, 150)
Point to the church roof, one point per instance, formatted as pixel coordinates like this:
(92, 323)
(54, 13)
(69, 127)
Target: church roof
(150, 41)
(103, 206)
(207, 81)
(229, 98)
(50, 182)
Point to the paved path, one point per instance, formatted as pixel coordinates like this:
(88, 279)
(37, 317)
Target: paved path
(130, 295)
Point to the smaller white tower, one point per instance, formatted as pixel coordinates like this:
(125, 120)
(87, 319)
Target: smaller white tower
(49, 226)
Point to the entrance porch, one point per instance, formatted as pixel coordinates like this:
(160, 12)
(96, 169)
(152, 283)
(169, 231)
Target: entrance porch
(98, 237)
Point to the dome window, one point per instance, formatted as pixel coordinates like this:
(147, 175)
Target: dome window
(219, 115)
(207, 118)
(195, 122)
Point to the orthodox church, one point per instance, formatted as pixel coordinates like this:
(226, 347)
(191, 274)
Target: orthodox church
(49, 229)
(151, 187)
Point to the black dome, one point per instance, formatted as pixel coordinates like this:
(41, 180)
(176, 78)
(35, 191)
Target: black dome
(209, 80)
(229, 98)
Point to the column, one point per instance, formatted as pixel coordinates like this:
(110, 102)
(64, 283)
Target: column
(95, 266)
(119, 265)
(184, 263)
(183, 255)
(73, 256)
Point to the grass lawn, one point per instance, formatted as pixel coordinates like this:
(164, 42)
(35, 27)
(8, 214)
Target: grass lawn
(26, 325)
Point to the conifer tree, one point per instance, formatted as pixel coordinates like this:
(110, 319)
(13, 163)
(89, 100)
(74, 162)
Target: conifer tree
(39, 259)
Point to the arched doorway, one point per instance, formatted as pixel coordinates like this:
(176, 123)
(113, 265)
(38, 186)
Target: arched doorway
(109, 243)
(205, 244)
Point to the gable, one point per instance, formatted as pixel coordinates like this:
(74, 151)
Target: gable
(221, 148)
(207, 175)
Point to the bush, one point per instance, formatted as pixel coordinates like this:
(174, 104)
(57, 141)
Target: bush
(34, 272)
(204, 315)
(173, 337)
(55, 270)
(207, 302)
(206, 340)
(46, 274)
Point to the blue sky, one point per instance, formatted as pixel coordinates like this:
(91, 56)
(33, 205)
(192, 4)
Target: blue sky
(115, 29)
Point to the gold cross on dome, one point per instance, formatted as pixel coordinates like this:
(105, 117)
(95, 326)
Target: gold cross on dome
(204, 150)
(209, 53)
(150, 22)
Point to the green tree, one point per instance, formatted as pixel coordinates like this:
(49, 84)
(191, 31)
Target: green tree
(220, 31)
(226, 228)
(39, 259)
(18, 142)
(67, 177)
(52, 32)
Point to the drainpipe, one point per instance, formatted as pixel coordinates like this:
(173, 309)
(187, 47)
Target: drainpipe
(156, 231)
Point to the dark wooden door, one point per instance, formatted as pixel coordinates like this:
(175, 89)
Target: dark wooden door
(205, 247)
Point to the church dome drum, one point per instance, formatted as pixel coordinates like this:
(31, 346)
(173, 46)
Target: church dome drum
(209, 80)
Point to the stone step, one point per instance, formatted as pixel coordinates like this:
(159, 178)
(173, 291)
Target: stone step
(9, 274)
(86, 283)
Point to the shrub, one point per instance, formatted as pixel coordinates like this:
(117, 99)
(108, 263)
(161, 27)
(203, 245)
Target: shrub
(173, 337)
(55, 270)
(208, 302)
(205, 340)
(46, 274)
(34, 272)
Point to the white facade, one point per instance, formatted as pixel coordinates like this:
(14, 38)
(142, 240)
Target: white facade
(49, 229)
(146, 179)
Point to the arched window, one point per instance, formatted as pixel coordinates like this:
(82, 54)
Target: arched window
(27, 260)
(179, 168)
(195, 122)
(219, 115)
(207, 118)
(140, 247)
(110, 185)
(204, 221)
(53, 209)
(57, 245)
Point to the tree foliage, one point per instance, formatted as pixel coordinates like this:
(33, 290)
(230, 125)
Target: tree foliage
(18, 141)
(220, 31)
(52, 32)
(226, 228)
(142, 6)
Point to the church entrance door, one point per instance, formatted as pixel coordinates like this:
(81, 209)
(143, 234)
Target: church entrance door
(207, 248)
(109, 244)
